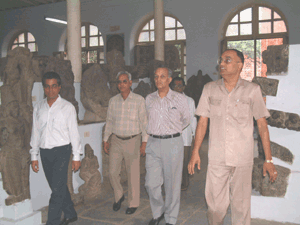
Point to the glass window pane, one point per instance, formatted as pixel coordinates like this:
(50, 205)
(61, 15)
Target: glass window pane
(82, 31)
(31, 47)
(184, 60)
(170, 35)
(234, 19)
(30, 37)
(264, 13)
(93, 30)
(232, 30)
(184, 50)
(246, 15)
(83, 44)
(84, 57)
(169, 22)
(101, 55)
(94, 41)
(181, 34)
(152, 24)
(247, 47)
(22, 45)
(262, 45)
(264, 28)
(246, 29)
(279, 26)
(92, 56)
(144, 37)
(101, 41)
(152, 36)
(16, 41)
(146, 27)
(21, 38)
(14, 46)
(276, 16)
(184, 70)
(179, 24)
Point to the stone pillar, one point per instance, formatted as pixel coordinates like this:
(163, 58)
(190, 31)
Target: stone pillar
(74, 37)
(159, 30)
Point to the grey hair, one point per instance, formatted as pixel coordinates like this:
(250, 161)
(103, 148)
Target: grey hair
(170, 72)
(124, 72)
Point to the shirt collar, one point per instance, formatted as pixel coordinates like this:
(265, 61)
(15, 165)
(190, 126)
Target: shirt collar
(240, 82)
(168, 96)
(129, 96)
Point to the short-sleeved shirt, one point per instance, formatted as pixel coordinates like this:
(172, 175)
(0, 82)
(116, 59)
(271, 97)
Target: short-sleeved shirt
(231, 115)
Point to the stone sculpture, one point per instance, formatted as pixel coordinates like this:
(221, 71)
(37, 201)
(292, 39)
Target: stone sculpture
(281, 119)
(95, 94)
(20, 74)
(14, 142)
(143, 89)
(277, 59)
(268, 86)
(89, 172)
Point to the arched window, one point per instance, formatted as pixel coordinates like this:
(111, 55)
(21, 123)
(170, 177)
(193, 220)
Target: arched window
(24, 39)
(92, 44)
(251, 31)
(175, 39)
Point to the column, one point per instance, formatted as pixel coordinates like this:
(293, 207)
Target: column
(159, 43)
(74, 37)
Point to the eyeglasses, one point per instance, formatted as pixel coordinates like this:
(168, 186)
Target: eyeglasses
(122, 81)
(227, 60)
(178, 86)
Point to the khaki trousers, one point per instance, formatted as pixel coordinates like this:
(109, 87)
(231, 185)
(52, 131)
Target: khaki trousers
(129, 150)
(228, 185)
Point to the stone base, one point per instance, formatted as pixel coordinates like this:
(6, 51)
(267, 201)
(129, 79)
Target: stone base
(20, 213)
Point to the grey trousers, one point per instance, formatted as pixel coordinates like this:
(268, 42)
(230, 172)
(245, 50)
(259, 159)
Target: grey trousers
(164, 160)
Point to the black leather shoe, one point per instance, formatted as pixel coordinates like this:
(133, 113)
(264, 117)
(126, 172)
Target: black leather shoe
(168, 224)
(117, 205)
(67, 221)
(156, 221)
(130, 210)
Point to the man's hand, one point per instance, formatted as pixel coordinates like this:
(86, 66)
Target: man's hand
(76, 165)
(106, 147)
(143, 148)
(35, 165)
(195, 160)
(270, 168)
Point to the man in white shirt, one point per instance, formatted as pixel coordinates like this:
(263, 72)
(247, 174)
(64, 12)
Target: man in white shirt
(55, 135)
(188, 133)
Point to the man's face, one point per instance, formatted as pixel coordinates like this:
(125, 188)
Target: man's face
(124, 83)
(178, 86)
(230, 65)
(51, 89)
(162, 79)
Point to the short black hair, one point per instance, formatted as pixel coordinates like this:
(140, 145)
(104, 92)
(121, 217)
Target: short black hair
(51, 75)
(239, 54)
(178, 79)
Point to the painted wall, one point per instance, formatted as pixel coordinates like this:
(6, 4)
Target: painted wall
(202, 21)
(287, 100)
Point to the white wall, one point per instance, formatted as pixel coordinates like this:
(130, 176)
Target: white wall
(288, 100)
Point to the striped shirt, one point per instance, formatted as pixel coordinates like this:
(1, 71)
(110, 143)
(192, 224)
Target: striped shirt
(126, 117)
(168, 115)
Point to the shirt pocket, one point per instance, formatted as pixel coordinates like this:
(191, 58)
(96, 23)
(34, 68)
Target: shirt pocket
(241, 109)
(58, 122)
(132, 111)
(215, 106)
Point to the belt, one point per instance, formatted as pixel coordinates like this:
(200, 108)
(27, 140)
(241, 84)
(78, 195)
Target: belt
(165, 136)
(126, 138)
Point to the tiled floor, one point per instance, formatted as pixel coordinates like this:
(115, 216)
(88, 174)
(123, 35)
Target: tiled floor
(192, 208)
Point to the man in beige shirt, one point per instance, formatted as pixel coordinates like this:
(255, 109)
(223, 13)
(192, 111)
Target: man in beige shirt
(231, 103)
(126, 121)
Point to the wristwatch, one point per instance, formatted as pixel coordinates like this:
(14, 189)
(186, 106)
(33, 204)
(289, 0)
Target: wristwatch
(269, 161)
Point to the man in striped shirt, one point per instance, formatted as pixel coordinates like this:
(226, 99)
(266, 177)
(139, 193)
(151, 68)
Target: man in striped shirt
(126, 121)
(168, 115)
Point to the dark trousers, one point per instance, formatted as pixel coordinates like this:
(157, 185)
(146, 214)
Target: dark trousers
(185, 172)
(55, 164)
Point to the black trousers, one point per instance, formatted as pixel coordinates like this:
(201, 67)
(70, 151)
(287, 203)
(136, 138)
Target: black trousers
(55, 164)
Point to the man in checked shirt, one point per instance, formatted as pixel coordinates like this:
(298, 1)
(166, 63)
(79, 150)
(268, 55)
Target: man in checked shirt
(126, 121)
(168, 115)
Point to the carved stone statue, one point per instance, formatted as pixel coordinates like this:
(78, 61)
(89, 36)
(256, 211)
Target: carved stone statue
(95, 94)
(14, 155)
(89, 172)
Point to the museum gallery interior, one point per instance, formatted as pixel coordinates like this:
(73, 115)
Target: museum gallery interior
(87, 42)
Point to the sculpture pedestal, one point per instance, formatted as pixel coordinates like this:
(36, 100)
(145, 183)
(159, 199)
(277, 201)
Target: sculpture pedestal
(20, 213)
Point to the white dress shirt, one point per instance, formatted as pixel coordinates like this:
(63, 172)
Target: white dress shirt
(190, 130)
(55, 126)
